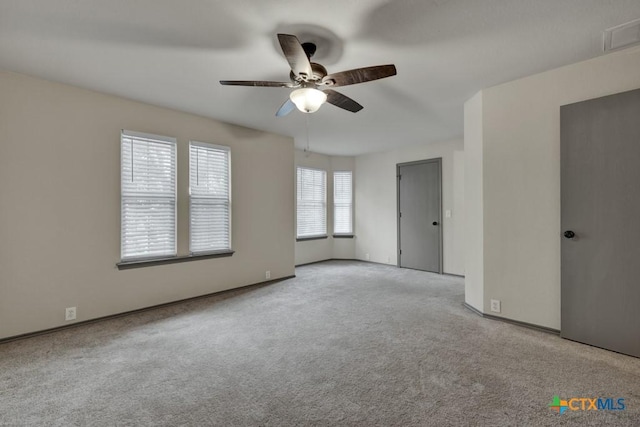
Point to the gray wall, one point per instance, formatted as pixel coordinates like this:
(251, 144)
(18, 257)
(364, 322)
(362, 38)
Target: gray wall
(60, 206)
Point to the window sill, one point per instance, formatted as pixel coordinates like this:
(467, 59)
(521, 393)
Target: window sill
(303, 239)
(125, 265)
(343, 236)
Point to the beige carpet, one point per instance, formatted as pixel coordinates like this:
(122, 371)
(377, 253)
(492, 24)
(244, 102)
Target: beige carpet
(344, 343)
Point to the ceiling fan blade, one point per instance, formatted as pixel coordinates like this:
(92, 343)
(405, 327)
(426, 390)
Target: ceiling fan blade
(342, 101)
(295, 54)
(360, 75)
(286, 108)
(254, 83)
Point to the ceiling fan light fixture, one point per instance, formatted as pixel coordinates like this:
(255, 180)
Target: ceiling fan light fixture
(307, 99)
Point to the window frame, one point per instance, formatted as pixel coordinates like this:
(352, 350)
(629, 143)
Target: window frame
(133, 135)
(207, 145)
(351, 219)
(324, 234)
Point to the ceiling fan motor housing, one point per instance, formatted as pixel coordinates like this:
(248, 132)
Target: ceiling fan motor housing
(309, 49)
(318, 73)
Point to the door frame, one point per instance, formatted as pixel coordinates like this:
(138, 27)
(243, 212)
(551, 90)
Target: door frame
(438, 161)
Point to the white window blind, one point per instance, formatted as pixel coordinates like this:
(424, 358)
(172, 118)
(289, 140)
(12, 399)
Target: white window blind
(311, 202)
(148, 196)
(210, 197)
(342, 202)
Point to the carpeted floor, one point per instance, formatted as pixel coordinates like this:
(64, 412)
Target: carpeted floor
(344, 343)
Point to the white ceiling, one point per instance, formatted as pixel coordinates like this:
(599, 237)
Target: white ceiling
(172, 53)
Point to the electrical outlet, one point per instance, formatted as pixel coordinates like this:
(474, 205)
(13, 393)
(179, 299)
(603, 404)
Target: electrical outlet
(267, 274)
(495, 305)
(366, 256)
(388, 260)
(70, 313)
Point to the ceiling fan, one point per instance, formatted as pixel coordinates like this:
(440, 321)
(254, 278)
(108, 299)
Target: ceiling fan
(311, 81)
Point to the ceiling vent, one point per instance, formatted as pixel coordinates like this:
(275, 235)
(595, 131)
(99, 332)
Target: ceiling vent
(622, 36)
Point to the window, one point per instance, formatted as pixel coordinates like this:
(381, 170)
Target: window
(342, 203)
(210, 198)
(311, 202)
(148, 196)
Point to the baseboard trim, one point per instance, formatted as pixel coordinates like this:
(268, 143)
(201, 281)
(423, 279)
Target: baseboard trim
(512, 321)
(313, 262)
(472, 308)
(139, 310)
(372, 262)
(344, 259)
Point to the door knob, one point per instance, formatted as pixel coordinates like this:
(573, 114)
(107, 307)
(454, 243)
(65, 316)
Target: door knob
(435, 222)
(569, 234)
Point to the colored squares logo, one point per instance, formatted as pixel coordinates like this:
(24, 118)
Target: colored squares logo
(559, 405)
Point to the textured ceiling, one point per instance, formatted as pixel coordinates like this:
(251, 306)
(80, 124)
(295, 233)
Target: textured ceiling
(172, 53)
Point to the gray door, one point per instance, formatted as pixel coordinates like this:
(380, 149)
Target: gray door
(600, 153)
(419, 215)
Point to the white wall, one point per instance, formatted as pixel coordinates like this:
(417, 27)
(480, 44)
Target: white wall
(376, 203)
(473, 202)
(322, 249)
(521, 180)
(457, 231)
(60, 206)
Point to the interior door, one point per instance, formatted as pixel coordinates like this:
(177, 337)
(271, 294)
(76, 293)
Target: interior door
(600, 175)
(419, 215)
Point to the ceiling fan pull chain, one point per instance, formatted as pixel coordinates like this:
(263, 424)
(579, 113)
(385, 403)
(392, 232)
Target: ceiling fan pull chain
(307, 149)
